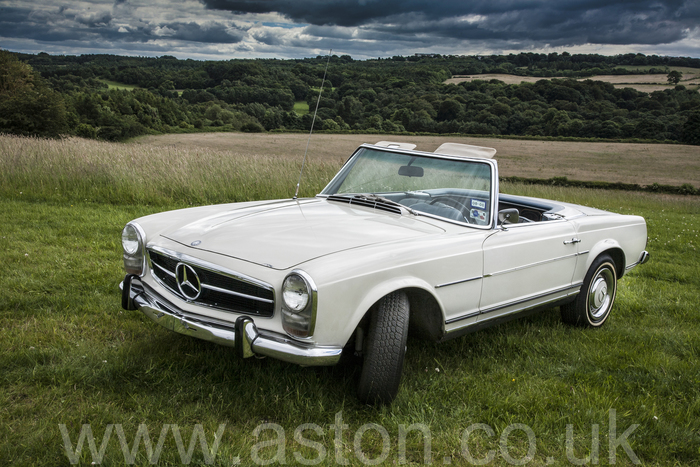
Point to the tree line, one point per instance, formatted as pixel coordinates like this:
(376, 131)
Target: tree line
(50, 95)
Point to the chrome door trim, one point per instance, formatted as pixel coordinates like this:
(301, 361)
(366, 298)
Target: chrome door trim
(573, 288)
(447, 284)
(538, 263)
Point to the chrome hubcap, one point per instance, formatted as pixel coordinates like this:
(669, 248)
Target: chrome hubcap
(599, 294)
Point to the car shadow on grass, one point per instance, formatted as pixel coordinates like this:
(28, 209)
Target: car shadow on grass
(183, 370)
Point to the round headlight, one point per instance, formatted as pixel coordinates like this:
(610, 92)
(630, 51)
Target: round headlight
(131, 240)
(295, 292)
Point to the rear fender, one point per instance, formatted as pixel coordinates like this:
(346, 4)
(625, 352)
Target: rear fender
(614, 249)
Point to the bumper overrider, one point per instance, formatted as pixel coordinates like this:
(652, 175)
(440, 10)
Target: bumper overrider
(243, 335)
(643, 258)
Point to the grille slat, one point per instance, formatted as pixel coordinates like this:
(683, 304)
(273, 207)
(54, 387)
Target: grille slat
(219, 290)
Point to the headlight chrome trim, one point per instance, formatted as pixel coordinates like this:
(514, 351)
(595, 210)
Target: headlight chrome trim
(287, 284)
(135, 263)
(308, 314)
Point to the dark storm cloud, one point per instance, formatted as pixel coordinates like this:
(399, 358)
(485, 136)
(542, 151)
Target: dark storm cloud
(361, 28)
(530, 23)
(215, 34)
(191, 32)
(317, 12)
(95, 19)
(61, 26)
(27, 24)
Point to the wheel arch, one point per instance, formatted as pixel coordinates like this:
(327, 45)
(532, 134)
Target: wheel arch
(427, 319)
(612, 248)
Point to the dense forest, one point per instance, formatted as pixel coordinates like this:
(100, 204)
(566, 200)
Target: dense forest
(50, 95)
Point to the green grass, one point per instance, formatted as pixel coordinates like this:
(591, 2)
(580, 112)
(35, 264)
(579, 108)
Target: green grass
(119, 86)
(301, 107)
(77, 169)
(69, 355)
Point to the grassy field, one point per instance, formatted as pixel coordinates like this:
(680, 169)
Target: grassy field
(119, 86)
(301, 107)
(668, 164)
(645, 83)
(70, 357)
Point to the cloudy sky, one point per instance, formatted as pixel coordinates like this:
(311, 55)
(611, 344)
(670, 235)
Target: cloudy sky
(225, 29)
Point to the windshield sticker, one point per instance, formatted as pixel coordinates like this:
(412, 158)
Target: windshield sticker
(477, 203)
(476, 214)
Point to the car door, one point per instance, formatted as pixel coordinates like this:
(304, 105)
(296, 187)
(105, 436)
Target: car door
(526, 265)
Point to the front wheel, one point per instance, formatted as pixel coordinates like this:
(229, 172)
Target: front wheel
(593, 304)
(384, 350)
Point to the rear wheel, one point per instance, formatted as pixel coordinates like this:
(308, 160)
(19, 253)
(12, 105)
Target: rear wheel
(595, 301)
(384, 350)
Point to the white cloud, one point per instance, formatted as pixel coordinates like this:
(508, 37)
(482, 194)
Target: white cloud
(163, 31)
(471, 19)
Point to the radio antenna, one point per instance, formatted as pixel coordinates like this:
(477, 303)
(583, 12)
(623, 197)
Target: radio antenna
(318, 101)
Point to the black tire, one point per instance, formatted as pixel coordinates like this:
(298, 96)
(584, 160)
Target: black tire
(384, 350)
(595, 301)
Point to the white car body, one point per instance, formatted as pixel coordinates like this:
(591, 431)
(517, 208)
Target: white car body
(457, 275)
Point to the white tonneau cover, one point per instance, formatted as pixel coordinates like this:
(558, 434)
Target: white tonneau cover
(466, 150)
(448, 149)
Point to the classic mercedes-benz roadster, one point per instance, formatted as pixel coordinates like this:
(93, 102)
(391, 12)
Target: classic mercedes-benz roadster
(400, 241)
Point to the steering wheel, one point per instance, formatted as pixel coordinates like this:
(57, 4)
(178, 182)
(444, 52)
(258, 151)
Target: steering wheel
(453, 203)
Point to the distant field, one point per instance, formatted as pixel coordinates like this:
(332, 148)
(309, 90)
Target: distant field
(666, 164)
(645, 83)
(301, 107)
(119, 86)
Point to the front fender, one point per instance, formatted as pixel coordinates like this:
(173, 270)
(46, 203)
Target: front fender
(338, 316)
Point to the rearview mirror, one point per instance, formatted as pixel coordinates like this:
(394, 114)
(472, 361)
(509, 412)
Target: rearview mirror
(410, 171)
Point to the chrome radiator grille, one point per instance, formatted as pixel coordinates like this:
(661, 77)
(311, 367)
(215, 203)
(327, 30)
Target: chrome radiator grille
(204, 285)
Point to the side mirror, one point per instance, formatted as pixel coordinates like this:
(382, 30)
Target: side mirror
(508, 216)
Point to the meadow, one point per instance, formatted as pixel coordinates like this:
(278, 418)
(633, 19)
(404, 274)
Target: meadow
(532, 392)
(642, 163)
(644, 83)
(119, 86)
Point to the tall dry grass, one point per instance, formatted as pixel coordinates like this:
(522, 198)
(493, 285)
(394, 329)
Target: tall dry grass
(79, 169)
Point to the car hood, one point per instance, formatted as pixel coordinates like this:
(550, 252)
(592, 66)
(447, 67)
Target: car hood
(283, 235)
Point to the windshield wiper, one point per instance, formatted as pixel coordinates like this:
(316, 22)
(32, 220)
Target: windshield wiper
(374, 198)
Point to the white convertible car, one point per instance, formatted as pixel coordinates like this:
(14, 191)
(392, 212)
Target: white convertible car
(399, 241)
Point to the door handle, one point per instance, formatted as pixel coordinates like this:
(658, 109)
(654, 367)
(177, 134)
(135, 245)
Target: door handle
(572, 241)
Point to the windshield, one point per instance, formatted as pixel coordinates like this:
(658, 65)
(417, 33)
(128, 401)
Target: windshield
(458, 190)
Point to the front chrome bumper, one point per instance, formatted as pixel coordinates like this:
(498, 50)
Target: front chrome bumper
(242, 335)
